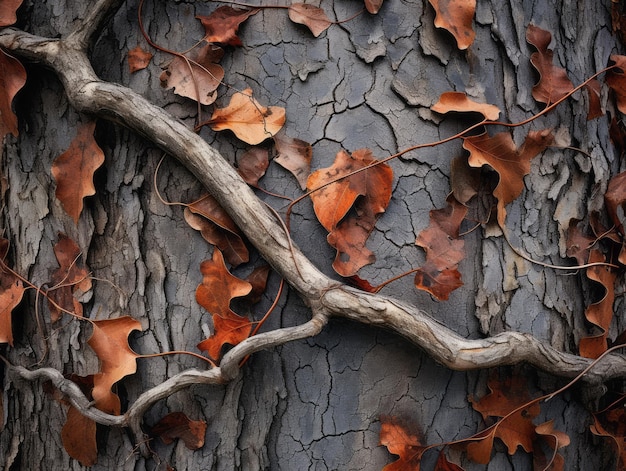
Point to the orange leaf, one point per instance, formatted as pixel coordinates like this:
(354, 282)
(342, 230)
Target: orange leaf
(73, 170)
(178, 425)
(464, 180)
(138, 59)
(312, 17)
(616, 80)
(444, 465)
(79, 437)
(459, 102)
(252, 165)
(221, 25)
(109, 341)
(217, 228)
(294, 155)
(215, 293)
(373, 6)
(399, 441)
(553, 81)
(8, 9)
(197, 75)
(367, 193)
(11, 292)
(555, 439)
(251, 122)
(12, 79)
(610, 424)
(456, 16)
(499, 153)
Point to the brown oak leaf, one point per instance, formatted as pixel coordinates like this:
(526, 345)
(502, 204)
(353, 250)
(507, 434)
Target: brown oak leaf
(399, 441)
(616, 80)
(456, 16)
(349, 208)
(461, 103)
(138, 59)
(595, 107)
(8, 9)
(555, 440)
(12, 79)
(252, 165)
(311, 16)
(178, 425)
(294, 155)
(612, 424)
(11, 293)
(221, 25)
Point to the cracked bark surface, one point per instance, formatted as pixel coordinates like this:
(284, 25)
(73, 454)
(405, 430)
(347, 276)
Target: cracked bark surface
(311, 399)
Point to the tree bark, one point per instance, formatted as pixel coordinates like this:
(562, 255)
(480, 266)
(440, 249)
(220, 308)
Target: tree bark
(312, 398)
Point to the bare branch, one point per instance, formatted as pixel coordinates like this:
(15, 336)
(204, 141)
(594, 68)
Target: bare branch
(89, 28)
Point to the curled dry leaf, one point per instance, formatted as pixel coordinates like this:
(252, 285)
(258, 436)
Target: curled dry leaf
(595, 107)
(616, 80)
(612, 424)
(221, 26)
(555, 440)
(553, 81)
(196, 75)
(252, 165)
(294, 155)
(373, 6)
(12, 79)
(461, 103)
(109, 341)
(615, 198)
(399, 441)
(73, 170)
(11, 293)
(312, 17)
(178, 425)
(366, 193)
(214, 294)
(456, 16)
(79, 437)
(8, 9)
(250, 121)
(138, 59)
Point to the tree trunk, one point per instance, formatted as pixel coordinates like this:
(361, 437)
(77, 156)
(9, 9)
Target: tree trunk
(313, 403)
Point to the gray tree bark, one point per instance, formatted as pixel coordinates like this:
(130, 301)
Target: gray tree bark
(314, 402)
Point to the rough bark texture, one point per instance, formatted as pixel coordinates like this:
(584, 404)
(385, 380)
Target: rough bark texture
(315, 403)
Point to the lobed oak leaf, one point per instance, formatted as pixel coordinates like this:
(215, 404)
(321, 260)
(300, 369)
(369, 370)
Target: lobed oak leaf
(196, 75)
(70, 281)
(456, 16)
(294, 155)
(553, 81)
(12, 79)
(373, 6)
(217, 228)
(109, 340)
(252, 165)
(138, 59)
(221, 25)
(178, 425)
(511, 165)
(214, 294)
(366, 194)
(399, 441)
(8, 9)
(251, 122)
(11, 293)
(461, 103)
(311, 16)
(616, 80)
(73, 170)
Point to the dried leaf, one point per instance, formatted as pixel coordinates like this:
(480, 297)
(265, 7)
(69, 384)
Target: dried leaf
(252, 165)
(464, 180)
(615, 198)
(197, 74)
(294, 155)
(553, 81)
(461, 103)
(258, 281)
(366, 193)
(578, 244)
(555, 440)
(11, 293)
(444, 465)
(138, 59)
(73, 170)
(109, 341)
(217, 228)
(221, 26)
(456, 16)
(399, 441)
(178, 425)
(8, 9)
(214, 294)
(12, 79)
(610, 424)
(251, 122)
(373, 6)
(595, 107)
(616, 80)
(79, 437)
(312, 17)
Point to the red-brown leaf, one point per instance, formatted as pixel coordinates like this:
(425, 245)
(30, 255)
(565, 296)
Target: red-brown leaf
(595, 107)
(553, 81)
(258, 281)
(73, 170)
(399, 441)
(311, 16)
(461, 103)
(248, 119)
(7, 11)
(138, 59)
(444, 465)
(79, 437)
(252, 165)
(456, 16)
(555, 440)
(178, 425)
(197, 76)
(616, 80)
(578, 244)
(611, 424)
(11, 292)
(109, 341)
(367, 193)
(373, 6)
(221, 26)
(214, 294)
(464, 180)
(615, 198)
(294, 155)
(12, 79)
